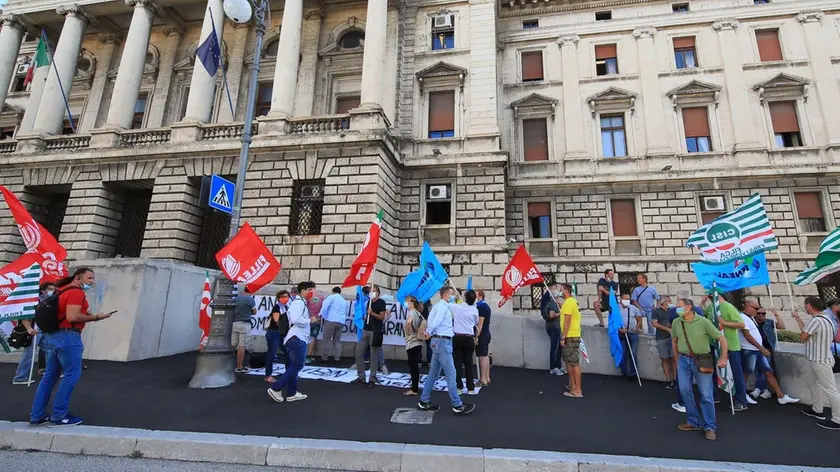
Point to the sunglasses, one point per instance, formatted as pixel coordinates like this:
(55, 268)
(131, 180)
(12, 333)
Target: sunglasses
(761, 313)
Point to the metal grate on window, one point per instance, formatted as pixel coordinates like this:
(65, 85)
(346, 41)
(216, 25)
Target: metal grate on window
(133, 223)
(50, 210)
(627, 282)
(537, 290)
(307, 207)
(829, 288)
(214, 233)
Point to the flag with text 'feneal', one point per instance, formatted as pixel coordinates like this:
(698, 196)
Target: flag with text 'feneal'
(739, 234)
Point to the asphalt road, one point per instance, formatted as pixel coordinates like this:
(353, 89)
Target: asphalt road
(22, 461)
(522, 409)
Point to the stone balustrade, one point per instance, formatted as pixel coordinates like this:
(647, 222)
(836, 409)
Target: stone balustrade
(224, 131)
(8, 146)
(145, 137)
(65, 142)
(319, 125)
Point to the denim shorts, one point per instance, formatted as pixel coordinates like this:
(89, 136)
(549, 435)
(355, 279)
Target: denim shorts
(755, 362)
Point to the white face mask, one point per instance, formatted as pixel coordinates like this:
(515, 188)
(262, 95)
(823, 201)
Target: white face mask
(625, 302)
(49, 292)
(374, 294)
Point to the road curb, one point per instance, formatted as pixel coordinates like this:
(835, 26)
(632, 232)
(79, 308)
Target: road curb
(339, 455)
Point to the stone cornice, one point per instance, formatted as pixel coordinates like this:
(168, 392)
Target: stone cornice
(514, 8)
(77, 11)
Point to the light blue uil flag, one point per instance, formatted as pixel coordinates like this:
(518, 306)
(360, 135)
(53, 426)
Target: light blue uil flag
(735, 275)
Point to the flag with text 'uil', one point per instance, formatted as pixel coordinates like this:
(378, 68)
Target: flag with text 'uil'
(246, 259)
(827, 263)
(35, 237)
(520, 271)
(21, 303)
(736, 235)
(204, 312)
(363, 266)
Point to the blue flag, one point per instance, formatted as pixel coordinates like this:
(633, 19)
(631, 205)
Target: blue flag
(209, 53)
(735, 275)
(469, 283)
(613, 325)
(359, 312)
(424, 282)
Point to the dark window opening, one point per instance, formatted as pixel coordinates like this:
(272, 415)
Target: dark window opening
(350, 40)
(307, 207)
(139, 111)
(7, 133)
(264, 98)
(527, 24)
(443, 32)
(603, 15)
(606, 59)
(828, 288)
(50, 206)
(537, 290)
(539, 220)
(215, 229)
(627, 282)
(679, 8)
(133, 222)
(67, 129)
(809, 210)
(18, 83)
(438, 204)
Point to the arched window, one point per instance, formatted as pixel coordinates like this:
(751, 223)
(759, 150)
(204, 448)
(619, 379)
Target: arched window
(83, 64)
(271, 48)
(351, 39)
(150, 58)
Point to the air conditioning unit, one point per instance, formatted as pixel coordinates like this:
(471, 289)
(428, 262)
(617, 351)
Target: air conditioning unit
(442, 21)
(713, 204)
(438, 192)
(21, 69)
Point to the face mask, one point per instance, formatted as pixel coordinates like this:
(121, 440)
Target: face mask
(452, 299)
(406, 305)
(374, 294)
(309, 295)
(671, 305)
(625, 302)
(49, 292)
(680, 310)
(283, 300)
(85, 287)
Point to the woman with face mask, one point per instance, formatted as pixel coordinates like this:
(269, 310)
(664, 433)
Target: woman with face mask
(415, 336)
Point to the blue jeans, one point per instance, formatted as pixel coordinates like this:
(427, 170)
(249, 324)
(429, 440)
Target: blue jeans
(756, 364)
(273, 341)
(296, 350)
(627, 367)
(22, 372)
(441, 359)
(737, 364)
(65, 355)
(554, 352)
(648, 312)
(687, 373)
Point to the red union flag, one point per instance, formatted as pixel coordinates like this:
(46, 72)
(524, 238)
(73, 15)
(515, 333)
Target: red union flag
(204, 313)
(35, 236)
(246, 259)
(11, 275)
(520, 271)
(362, 267)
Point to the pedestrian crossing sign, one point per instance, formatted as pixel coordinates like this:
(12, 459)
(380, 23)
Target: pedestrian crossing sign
(221, 194)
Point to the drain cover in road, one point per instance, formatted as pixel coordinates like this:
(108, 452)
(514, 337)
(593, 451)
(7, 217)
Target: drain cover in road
(412, 416)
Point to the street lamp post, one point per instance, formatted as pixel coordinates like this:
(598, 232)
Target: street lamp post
(216, 362)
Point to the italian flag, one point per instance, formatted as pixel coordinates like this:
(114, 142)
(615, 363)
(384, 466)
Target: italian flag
(362, 267)
(41, 59)
(204, 313)
(828, 260)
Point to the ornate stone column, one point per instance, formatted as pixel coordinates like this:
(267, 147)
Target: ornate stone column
(373, 64)
(288, 58)
(824, 79)
(572, 112)
(51, 110)
(305, 97)
(130, 73)
(10, 36)
(160, 96)
(104, 56)
(657, 141)
(203, 85)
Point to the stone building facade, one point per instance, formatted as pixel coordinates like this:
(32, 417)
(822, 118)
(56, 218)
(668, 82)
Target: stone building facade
(598, 133)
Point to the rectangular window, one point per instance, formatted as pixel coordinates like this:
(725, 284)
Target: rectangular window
(49, 210)
(539, 220)
(698, 138)
(442, 114)
(679, 8)
(809, 210)
(139, 111)
(7, 133)
(67, 129)
(307, 207)
(532, 66)
(438, 204)
(345, 104)
(527, 24)
(613, 139)
(785, 124)
(133, 223)
(761, 2)
(623, 214)
(264, 92)
(17, 83)
(606, 59)
(185, 95)
(535, 139)
(603, 15)
(443, 32)
(769, 47)
(214, 232)
(685, 54)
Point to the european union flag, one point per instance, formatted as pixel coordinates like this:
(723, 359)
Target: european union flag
(424, 282)
(209, 53)
(359, 312)
(613, 325)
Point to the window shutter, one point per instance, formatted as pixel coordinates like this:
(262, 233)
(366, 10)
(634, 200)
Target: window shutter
(535, 139)
(696, 121)
(605, 51)
(686, 42)
(442, 111)
(808, 205)
(623, 217)
(783, 116)
(345, 104)
(536, 209)
(769, 48)
(532, 65)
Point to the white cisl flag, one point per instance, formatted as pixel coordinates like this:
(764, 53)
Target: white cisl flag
(736, 235)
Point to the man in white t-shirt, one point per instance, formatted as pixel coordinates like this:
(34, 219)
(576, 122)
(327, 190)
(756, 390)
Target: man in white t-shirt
(756, 356)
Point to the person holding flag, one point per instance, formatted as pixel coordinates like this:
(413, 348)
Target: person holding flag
(728, 317)
(372, 337)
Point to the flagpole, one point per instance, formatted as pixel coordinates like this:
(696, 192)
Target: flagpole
(32, 366)
(222, 64)
(58, 78)
(787, 281)
(632, 357)
(716, 314)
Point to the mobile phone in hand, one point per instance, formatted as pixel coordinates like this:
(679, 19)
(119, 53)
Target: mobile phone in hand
(111, 313)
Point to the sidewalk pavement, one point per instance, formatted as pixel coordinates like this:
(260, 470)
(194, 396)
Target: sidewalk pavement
(522, 410)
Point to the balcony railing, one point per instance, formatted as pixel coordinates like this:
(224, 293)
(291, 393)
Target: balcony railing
(8, 146)
(61, 143)
(218, 132)
(319, 125)
(145, 137)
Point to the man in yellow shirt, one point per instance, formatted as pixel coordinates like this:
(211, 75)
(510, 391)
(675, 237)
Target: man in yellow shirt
(570, 341)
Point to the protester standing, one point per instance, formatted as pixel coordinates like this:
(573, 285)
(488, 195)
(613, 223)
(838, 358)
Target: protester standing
(296, 340)
(732, 324)
(818, 335)
(275, 331)
(334, 310)
(482, 349)
(65, 350)
(631, 326)
(415, 336)
(441, 331)
(692, 336)
(756, 356)
(372, 337)
(550, 311)
(570, 342)
(463, 344)
(605, 283)
(662, 324)
(645, 298)
(245, 307)
(769, 337)
(25, 364)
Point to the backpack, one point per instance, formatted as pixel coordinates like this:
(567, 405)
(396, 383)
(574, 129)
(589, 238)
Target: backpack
(20, 337)
(46, 313)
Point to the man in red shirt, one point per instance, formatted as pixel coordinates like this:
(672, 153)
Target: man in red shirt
(65, 350)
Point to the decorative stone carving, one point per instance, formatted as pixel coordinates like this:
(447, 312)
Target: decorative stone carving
(644, 32)
(568, 40)
(535, 102)
(77, 11)
(442, 69)
(810, 16)
(725, 24)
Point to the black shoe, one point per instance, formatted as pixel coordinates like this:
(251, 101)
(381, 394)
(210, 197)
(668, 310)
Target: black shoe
(464, 409)
(808, 411)
(829, 424)
(669, 385)
(741, 408)
(357, 381)
(427, 406)
(371, 384)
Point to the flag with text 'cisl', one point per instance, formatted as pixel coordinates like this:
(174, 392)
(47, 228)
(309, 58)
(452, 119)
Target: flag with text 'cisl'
(828, 260)
(35, 237)
(21, 303)
(736, 235)
(362, 267)
(520, 271)
(246, 259)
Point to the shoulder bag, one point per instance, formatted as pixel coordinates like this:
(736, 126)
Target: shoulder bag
(705, 362)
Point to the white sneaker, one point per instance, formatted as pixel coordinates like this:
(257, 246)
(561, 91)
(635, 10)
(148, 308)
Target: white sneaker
(555, 371)
(766, 394)
(787, 399)
(563, 371)
(751, 401)
(472, 392)
(276, 396)
(383, 370)
(755, 393)
(296, 397)
(678, 407)
(463, 391)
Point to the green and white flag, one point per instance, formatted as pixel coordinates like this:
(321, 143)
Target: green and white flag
(828, 260)
(736, 235)
(21, 303)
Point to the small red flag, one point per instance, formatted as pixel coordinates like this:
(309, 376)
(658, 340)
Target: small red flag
(247, 251)
(204, 313)
(35, 236)
(520, 271)
(362, 267)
